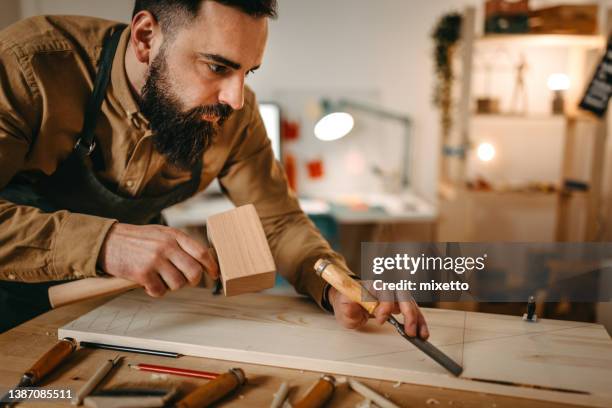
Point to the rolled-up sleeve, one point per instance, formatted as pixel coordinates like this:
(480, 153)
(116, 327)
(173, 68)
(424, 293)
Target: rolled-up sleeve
(253, 176)
(36, 246)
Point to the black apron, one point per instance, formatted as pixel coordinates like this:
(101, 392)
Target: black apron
(75, 187)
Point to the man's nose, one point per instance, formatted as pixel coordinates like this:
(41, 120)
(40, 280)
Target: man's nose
(232, 92)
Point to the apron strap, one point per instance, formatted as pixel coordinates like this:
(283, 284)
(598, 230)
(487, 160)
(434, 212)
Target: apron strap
(86, 143)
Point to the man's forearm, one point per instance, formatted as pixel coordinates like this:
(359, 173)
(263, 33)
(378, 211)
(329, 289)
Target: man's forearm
(37, 246)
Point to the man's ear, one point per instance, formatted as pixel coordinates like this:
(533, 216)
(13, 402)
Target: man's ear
(146, 31)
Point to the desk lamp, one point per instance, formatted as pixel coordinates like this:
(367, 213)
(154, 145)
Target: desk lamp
(337, 123)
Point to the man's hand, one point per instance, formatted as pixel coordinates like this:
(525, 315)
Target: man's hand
(352, 316)
(157, 257)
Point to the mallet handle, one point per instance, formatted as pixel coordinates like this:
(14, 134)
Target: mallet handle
(72, 292)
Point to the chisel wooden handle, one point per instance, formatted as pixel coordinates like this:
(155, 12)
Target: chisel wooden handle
(319, 394)
(214, 390)
(51, 359)
(89, 288)
(345, 284)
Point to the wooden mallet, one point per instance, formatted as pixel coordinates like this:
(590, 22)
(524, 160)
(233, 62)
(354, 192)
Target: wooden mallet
(241, 247)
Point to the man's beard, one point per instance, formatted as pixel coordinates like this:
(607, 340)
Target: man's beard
(182, 137)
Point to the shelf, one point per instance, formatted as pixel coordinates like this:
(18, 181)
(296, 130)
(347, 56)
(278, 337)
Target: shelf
(518, 116)
(544, 40)
(579, 116)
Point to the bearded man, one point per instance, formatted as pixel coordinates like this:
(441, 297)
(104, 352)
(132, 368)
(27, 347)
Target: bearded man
(103, 126)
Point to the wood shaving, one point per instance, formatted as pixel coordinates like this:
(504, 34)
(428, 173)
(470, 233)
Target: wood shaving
(397, 384)
(341, 380)
(432, 401)
(159, 376)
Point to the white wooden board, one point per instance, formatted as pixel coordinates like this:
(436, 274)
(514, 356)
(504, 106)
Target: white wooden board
(292, 332)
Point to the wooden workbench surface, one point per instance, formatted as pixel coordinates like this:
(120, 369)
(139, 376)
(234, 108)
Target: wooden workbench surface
(20, 347)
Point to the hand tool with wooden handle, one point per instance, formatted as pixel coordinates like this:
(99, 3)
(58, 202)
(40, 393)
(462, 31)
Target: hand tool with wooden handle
(46, 364)
(355, 291)
(319, 395)
(241, 256)
(214, 390)
(84, 289)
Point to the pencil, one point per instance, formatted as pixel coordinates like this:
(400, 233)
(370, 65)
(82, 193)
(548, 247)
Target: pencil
(94, 380)
(174, 370)
(281, 396)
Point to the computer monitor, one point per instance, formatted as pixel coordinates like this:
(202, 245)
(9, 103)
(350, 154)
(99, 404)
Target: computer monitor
(271, 115)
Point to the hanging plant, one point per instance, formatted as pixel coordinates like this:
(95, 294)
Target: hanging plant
(446, 34)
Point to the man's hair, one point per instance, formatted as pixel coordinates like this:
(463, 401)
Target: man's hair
(170, 13)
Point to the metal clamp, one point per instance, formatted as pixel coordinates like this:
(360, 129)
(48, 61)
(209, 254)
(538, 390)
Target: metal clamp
(321, 265)
(531, 316)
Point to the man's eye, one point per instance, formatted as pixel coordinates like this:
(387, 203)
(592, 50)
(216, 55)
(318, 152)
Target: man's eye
(217, 69)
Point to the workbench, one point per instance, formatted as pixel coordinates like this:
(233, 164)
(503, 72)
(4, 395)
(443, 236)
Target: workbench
(23, 345)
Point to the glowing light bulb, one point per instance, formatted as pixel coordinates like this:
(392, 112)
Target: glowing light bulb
(558, 82)
(485, 152)
(334, 126)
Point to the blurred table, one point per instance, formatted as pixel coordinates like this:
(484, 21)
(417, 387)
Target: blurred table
(345, 209)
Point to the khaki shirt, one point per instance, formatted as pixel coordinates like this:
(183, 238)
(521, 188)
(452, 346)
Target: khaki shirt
(47, 68)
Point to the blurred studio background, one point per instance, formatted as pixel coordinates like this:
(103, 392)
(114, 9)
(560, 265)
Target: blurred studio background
(463, 121)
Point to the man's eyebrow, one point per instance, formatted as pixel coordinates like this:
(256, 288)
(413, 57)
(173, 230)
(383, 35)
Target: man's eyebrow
(222, 60)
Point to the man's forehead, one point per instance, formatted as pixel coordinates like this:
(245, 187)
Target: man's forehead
(229, 33)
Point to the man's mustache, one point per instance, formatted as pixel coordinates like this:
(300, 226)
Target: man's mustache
(219, 110)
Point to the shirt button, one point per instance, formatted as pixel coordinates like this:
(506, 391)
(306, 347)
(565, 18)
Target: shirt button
(12, 277)
(129, 183)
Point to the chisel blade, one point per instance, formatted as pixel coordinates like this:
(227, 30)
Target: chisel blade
(426, 347)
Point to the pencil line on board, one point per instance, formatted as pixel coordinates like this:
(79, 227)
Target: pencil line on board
(463, 343)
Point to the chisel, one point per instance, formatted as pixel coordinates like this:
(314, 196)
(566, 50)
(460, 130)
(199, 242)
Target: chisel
(45, 365)
(214, 390)
(353, 290)
(318, 395)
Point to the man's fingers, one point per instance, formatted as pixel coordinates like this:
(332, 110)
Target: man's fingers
(410, 312)
(383, 311)
(351, 310)
(352, 316)
(423, 329)
(172, 277)
(155, 287)
(199, 252)
(191, 269)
